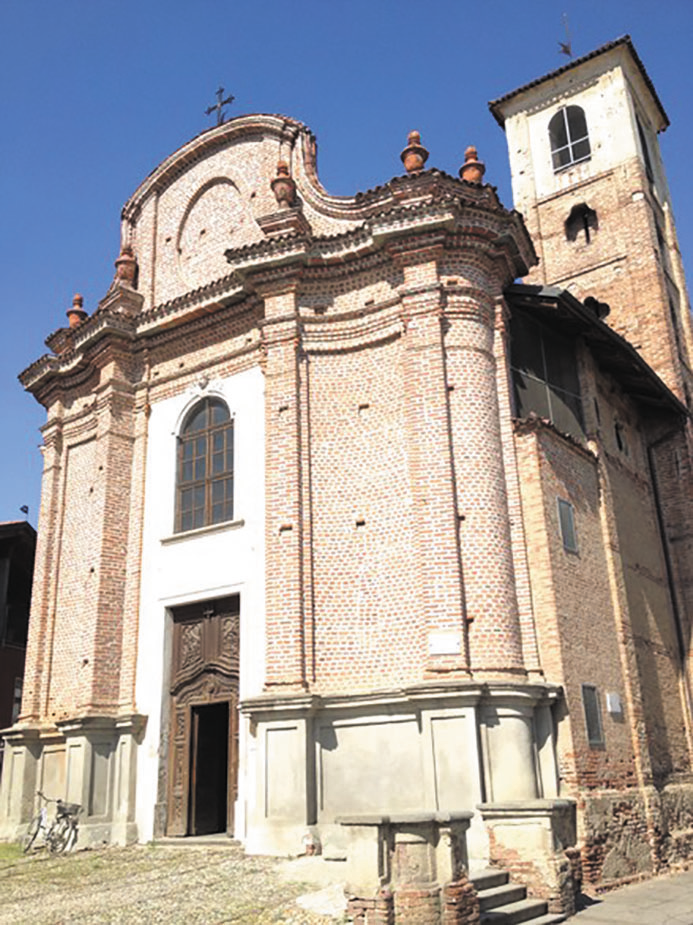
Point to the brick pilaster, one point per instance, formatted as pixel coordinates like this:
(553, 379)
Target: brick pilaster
(489, 584)
(115, 441)
(530, 645)
(286, 665)
(131, 597)
(430, 462)
(43, 592)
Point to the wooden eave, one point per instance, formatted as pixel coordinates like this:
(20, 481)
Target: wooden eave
(19, 529)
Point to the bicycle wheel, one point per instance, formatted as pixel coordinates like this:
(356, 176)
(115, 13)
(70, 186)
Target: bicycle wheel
(59, 836)
(29, 837)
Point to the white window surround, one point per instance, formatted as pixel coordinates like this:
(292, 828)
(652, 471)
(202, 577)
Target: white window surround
(203, 531)
(199, 564)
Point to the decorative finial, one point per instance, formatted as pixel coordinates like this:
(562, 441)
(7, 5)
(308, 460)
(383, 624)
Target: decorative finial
(283, 186)
(414, 155)
(473, 169)
(126, 266)
(76, 313)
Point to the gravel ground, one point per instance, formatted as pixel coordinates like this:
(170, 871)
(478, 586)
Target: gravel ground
(151, 884)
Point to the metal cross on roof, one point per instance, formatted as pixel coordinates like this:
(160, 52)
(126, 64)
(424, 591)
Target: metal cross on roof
(566, 47)
(219, 105)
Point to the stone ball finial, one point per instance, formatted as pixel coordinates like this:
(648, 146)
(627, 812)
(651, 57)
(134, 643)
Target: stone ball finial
(76, 314)
(473, 169)
(283, 186)
(414, 155)
(126, 266)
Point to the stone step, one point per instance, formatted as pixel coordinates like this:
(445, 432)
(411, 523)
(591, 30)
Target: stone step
(197, 841)
(548, 919)
(492, 876)
(525, 910)
(501, 895)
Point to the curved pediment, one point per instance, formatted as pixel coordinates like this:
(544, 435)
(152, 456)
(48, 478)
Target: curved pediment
(234, 133)
(215, 193)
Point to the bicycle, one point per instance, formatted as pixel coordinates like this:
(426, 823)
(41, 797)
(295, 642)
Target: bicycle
(62, 831)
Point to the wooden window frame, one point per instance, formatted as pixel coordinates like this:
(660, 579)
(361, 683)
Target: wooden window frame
(567, 526)
(197, 449)
(595, 737)
(564, 121)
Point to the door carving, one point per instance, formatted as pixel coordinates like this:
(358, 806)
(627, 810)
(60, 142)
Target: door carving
(204, 672)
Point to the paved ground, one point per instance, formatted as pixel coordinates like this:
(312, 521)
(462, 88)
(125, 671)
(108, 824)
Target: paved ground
(666, 900)
(215, 885)
(144, 884)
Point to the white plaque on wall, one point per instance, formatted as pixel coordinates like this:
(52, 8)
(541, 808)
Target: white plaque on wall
(444, 643)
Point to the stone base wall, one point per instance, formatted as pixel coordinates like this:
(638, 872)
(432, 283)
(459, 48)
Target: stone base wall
(615, 841)
(90, 761)
(676, 813)
(432, 747)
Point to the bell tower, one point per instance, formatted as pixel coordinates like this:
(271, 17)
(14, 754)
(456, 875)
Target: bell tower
(588, 177)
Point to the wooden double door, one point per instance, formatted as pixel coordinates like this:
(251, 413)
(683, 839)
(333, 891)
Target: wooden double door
(203, 734)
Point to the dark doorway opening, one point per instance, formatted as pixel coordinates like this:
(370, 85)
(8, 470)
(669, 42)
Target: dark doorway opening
(209, 758)
(203, 729)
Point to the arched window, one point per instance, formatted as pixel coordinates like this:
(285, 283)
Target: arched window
(204, 476)
(570, 142)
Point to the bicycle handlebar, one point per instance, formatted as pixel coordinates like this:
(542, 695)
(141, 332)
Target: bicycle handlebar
(71, 809)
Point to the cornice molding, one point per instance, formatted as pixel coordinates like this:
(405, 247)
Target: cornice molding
(437, 223)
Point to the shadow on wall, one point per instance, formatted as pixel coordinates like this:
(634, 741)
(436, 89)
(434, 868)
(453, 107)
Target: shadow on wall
(653, 628)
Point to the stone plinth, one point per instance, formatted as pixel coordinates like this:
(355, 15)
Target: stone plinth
(534, 840)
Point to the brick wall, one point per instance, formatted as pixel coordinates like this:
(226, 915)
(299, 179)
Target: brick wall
(409, 533)
(622, 264)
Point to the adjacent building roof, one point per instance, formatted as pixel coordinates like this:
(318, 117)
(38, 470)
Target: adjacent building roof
(612, 352)
(496, 105)
(11, 526)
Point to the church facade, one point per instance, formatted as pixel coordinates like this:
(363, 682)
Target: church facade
(339, 519)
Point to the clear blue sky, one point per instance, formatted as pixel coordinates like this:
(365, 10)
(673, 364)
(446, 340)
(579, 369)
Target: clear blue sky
(95, 93)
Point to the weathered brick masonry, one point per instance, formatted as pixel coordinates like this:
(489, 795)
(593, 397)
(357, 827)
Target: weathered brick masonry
(603, 228)
(460, 542)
